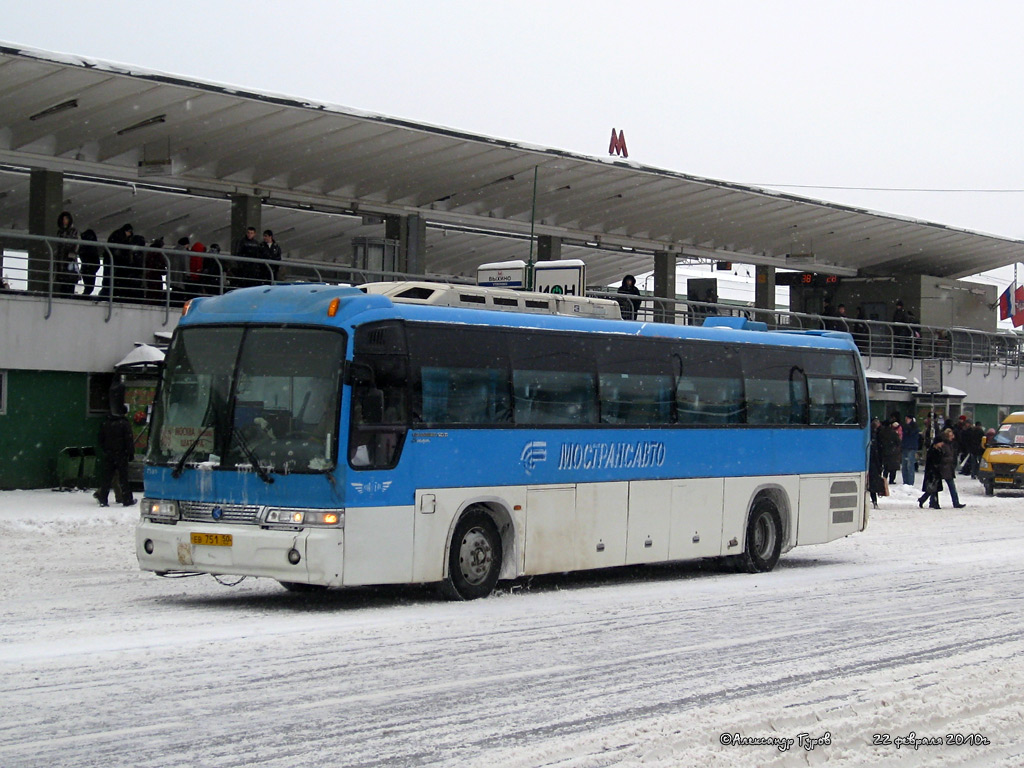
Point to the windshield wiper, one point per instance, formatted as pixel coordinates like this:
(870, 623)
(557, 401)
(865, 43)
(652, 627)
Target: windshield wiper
(176, 472)
(261, 472)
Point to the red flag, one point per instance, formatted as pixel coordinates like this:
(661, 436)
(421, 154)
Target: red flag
(1018, 307)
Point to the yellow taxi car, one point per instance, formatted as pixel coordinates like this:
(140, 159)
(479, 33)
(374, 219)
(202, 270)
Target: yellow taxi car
(1002, 464)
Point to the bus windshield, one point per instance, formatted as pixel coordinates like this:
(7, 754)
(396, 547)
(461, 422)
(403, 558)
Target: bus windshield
(1010, 434)
(264, 397)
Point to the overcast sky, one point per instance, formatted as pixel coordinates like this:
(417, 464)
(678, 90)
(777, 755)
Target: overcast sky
(833, 96)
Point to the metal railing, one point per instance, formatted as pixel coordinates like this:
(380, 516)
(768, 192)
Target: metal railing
(165, 277)
(881, 343)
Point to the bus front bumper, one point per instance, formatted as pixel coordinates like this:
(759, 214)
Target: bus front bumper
(307, 556)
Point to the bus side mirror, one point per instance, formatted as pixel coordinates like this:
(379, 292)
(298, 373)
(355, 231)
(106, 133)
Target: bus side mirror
(360, 375)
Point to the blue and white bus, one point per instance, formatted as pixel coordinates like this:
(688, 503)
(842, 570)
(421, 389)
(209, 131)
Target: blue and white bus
(323, 436)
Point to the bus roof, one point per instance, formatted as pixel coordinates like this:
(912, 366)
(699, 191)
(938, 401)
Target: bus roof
(310, 303)
(501, 299)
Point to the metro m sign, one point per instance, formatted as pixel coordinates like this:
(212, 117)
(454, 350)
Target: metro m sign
(618, 144)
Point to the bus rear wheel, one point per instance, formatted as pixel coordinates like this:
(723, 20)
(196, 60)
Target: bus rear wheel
(763, 539)
(474, 557)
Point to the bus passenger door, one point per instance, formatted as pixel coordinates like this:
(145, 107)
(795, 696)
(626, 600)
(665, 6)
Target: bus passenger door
(550, 527)
(650, 503)
(696, 529)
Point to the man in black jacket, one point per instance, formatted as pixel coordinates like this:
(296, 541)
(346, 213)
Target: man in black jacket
(246, 273)
(118, 443)
(270, 252)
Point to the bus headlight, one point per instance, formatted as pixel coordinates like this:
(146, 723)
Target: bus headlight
(983, 465)
(323, 518)
(159, 510)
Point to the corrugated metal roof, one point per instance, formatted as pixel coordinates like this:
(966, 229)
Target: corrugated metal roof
(321, 168)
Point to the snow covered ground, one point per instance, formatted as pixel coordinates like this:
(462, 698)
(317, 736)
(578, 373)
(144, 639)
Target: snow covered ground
(910, 630)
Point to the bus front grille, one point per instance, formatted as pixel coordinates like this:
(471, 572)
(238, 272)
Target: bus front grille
(207, 512)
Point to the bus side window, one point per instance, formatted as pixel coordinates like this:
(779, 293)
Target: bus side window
(379, 415)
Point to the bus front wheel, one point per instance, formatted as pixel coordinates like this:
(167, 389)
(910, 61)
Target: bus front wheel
(474, 557)
(763, 540)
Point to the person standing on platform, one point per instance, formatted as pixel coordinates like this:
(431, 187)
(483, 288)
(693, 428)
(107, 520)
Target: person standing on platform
(178, 259)
(901, 331)
(246, 273)
(90, 258)
(65, 257)
(270, 252)
(629, 306)
(117, 269)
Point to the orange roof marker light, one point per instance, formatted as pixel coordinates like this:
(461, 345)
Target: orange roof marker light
(332, 308)
(186, 307)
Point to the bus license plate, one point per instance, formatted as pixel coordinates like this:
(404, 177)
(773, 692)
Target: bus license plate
(212, 539)
(1004, 480)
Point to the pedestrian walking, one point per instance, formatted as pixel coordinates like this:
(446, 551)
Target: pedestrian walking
(932, 474)
(910, 444)
(948, 468)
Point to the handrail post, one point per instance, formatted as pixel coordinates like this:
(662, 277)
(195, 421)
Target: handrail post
(49, 282)
(108, 281)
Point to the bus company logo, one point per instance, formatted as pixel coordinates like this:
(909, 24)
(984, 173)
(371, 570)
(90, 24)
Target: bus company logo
(534, 453)
(638, 455)
(217, 512)
(374, 486)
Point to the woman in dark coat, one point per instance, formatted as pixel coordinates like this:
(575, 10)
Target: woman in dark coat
(875, 484)
(65, 257)
(119, 262)
(947, 467)
(628, 305)
(933, 474)
(890, 450)
(91, 258)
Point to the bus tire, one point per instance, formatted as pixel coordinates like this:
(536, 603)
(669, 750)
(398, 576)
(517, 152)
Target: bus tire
(990, 489)
(299, 587)
(474, 557)
(763, 539)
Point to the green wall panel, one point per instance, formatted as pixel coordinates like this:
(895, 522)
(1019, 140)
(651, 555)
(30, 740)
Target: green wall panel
(46, 411)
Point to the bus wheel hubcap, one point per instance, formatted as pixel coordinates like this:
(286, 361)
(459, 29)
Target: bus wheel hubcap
(764, 536)
(475, 556)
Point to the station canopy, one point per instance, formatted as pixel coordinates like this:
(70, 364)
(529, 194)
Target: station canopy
(167, 154)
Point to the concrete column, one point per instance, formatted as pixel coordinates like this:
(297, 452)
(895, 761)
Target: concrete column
(411, 234)
(549, 248)
(764, 293)
(393, 227)
(665, 286)
(45, 202)
(246, 211)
